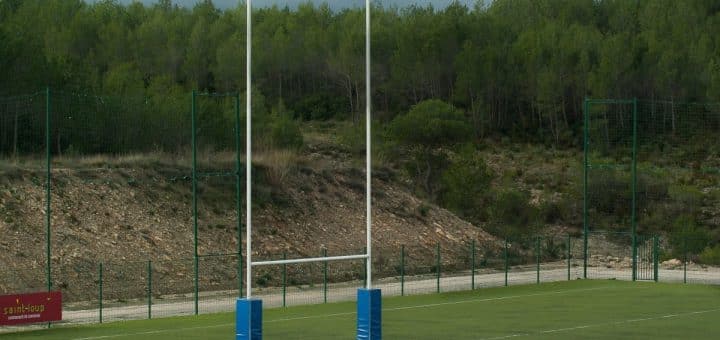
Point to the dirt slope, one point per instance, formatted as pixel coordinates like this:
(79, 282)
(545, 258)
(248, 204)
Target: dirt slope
(132, 210)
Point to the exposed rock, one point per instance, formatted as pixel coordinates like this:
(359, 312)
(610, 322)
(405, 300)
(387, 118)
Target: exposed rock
(125, 224)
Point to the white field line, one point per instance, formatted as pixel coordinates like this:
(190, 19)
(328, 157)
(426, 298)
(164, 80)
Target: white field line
(350, 313)
(622, 322)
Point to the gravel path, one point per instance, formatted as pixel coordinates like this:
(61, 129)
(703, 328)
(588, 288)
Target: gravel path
(213, 302)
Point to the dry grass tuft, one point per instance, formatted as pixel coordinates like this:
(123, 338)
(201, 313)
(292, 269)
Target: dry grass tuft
(279, 164)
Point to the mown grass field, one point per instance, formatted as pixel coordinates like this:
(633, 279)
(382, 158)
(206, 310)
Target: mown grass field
(565, 310)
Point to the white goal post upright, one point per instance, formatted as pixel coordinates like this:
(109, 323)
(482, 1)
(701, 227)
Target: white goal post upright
(248, 148)
(368, 154)
(249, 310)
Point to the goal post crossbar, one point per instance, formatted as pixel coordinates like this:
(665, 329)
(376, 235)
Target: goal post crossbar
(310, 259)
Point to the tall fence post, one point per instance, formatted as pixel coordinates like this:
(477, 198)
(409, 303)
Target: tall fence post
(505, 254)
(100, 292)
(325, 276)
(472, 265)
(240, 267)
(537, 256)
(568, 256)
(149, 291)
(656, 257)
(586, 227)
(685, 259)
(437, 266)
(284, 280)
(194, 203)
(48, 110)
(238, 192)
(365, 266)
(402, 270)
(197, 285)
(634, 192)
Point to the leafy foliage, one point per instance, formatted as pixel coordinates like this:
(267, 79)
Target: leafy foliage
(426, 130)
(466, 185)
(517, 68)
(431, 124)
(285, 132)
(711, 255)
(512, 215)
(687, 238)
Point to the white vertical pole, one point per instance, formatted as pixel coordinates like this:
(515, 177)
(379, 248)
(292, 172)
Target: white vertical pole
(368, 175)
(248, 150)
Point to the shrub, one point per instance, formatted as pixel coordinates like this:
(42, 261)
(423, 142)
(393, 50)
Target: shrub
(610, 196)
(686, 199)
(432, 123)
(512, 215)
(466, 184)
(321, 106)
(263, 280)
(285, 133)
(711, 255)
(609, 193)
(282, 130)
(423, 210)
(551, 212)
(426, 130)
(687, 237)
(352, 138)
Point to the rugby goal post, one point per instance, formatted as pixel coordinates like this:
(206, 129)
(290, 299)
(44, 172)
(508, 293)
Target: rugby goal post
(249, 309)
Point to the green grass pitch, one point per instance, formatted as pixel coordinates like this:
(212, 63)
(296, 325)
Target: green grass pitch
(564, 310)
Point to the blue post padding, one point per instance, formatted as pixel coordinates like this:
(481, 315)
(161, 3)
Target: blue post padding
(369, 314)
(248, 323)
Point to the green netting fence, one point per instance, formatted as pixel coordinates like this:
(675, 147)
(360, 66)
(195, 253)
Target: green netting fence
(103, 291)
(187, 146)
(651, 167)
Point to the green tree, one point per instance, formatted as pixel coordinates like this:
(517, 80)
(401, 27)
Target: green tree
(284, 131)
(466, 185)
(426, 130)
(124, 79)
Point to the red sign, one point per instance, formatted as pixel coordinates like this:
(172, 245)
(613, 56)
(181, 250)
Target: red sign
(30, 308)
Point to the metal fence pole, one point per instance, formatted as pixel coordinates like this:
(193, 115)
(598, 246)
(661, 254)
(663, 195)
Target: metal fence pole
(238, 192)
(656, 257)
(284, 280)
(586, 227)
(437, 266)
(240, 267)
(634, 192)
(325, 276)
(100, 293)
(402, 270)
(472, 265)
(194, 203)
(685, 259)
(365, 266)
(197, 285)
(505, 254)
(149, 285)
(568, 256)
(48, 110)
(537, 256)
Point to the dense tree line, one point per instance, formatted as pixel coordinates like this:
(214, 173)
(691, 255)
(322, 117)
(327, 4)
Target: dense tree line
(515, 67)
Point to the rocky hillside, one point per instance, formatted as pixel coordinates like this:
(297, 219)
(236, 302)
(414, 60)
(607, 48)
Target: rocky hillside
(139, 208)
